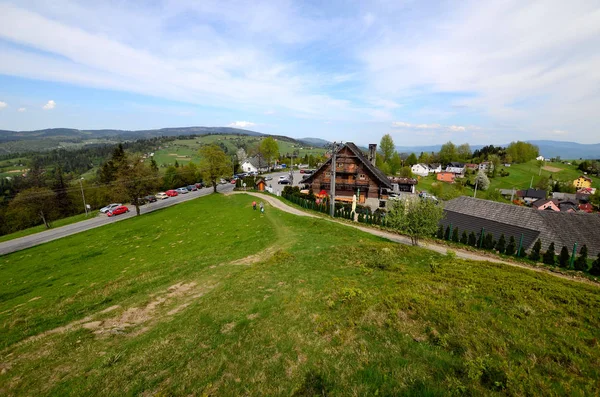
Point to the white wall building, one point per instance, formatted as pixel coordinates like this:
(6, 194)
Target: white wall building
(420, 169)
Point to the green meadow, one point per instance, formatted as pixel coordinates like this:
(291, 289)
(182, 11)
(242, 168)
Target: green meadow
(209, 297)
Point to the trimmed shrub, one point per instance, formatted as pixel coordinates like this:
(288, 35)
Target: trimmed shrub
(511, 248)
(595, 269)
(549, 255)
(464, 239)
(447, 233)
(440, 232)
(581, 261)
(534, 255)
(472, 239)
(455, 235)
(488, 242)
(501, 244)
(563, 258)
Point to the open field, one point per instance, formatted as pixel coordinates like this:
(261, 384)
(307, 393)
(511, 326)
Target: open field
(212, 298)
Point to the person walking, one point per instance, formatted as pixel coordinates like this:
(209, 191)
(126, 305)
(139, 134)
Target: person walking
(254, 205)
(262, 208)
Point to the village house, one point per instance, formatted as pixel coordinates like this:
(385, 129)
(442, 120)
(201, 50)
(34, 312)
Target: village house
(355, 174)
(486, 166)
(544, 204)
(446, 177)
(471, 166)
(254, 164)
(435, 168)
(540, 158)
(582, 181)
(568, 206)
(527, 224)
(420, 169)
(403, 185)
(531, 195)
(458, 169)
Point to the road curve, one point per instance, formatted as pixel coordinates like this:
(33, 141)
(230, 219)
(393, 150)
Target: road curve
(32, 240)
(406, 240)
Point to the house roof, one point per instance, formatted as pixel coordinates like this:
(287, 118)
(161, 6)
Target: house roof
(533, 193)
(540, 202)
(434, 165)
(376, 172)
(472, 214)
(257, 162)
(564, 196)
(507, 192)
(422, 165)
(585, 178)
(403, 181)
(456, 164)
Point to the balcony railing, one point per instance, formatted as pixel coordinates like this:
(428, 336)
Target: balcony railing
(344, 186)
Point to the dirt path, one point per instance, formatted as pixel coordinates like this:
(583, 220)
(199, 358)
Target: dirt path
(405, 240)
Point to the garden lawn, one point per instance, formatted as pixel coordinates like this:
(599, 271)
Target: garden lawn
(212, 298)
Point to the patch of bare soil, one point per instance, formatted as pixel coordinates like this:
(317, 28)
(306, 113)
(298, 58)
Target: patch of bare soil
(551, 169)
(255, 258)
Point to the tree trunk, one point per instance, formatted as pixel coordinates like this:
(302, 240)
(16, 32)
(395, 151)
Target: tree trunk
(137, 208)
(44, 220)
(214, 186)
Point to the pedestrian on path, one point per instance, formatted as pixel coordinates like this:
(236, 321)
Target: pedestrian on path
(262, 208)
(254, 205)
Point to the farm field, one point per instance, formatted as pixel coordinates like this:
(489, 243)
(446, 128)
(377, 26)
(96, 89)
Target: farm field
(212, 298)
(520, 177)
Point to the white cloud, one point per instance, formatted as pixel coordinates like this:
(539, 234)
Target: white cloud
(559, 132)
(434, 126)
(401, 124)
(3, 105)
(427, 126)
(241, 124)
(21, 110)
(49, 105)
(457, 128)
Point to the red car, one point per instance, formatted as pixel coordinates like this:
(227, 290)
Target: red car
(171, 193)
(119, 210)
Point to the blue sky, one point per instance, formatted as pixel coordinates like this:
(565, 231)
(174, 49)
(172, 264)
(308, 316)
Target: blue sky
(425, 72)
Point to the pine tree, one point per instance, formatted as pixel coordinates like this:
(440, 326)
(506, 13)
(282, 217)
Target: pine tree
(440, 232)
(512, 246)
(581, 261)
(563, 258)
(472, 239)
(489, 242)
(595, 269)
(464, 239)
(455, 235)
(447, 233)
(549, 255)
(501, 245)
(534, 255)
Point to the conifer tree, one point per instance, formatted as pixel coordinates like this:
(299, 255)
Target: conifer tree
(472, 239)
(595, 269)
(501, 245)
(464, 239)
(489, 242)
(581, 261)
(549, 255)
(447, 233)
(563, 258)
(512, 246)
(534, 255)
(440, 232)
(455, 235)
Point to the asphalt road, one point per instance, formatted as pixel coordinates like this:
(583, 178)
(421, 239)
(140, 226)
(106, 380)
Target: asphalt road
(275, 175)
(101, 220)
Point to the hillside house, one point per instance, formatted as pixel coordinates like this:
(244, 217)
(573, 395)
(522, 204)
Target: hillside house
(486, 166)
(531, 195)
(540, 158)
(420, 169)
(446, 177)
(563, 229)
(254, 164)
(355, 174)
(458, 169)
(403, 185)
(568, 206)
(471, 167)
(582, 181)
(435, 168)
(544, 204)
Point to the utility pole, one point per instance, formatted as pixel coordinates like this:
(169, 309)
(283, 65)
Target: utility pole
(332, 185)
(83, 196)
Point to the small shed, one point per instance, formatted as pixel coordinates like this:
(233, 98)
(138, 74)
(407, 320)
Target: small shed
(261, 184)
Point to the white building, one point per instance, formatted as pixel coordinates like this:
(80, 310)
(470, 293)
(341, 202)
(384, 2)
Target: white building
(540, 158)
(456, 168)
(254, 164)
(435, 168)
(420, 169)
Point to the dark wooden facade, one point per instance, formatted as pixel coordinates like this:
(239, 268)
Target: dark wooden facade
(355, 174)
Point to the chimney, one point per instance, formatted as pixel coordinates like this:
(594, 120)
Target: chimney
(372, 152)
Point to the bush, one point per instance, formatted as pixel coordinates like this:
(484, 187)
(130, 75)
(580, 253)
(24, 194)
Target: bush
(511, 248)
(595, 269)
(455, 235)
(440, 232)
(472, 240)
(563, 258)
(581, 261)
(447, 233)
(535, 251)
(549, 255)
(464, 239)
(501, 245)
(488, 242)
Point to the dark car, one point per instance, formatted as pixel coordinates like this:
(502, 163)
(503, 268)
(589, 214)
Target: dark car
(199, 185)
(284, 182)
(192, 188)
(149, 198)
(119, 210)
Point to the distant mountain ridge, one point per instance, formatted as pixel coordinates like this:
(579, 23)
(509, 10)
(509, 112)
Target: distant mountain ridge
(566, 150)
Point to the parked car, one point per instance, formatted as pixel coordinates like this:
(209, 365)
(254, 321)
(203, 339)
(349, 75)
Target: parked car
(171, 193)
(302, 171)
(223, 181)
(182, 190)
(161, 195)
(192, 188)
(109, 207)
(150, 198)
(309, 172)
(268, 178)
(199, 185)
(284, 181)
(118, 210)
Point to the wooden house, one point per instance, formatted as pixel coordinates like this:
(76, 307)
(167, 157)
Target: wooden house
(355, 174)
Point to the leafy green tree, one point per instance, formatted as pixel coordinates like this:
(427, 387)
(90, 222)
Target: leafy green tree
(581, 261)
(411, 160)
(395, 163)
(424, 158)
(448, 153)
(108, 171)
(464, 152)
(137, 181)
(60, 187)
(416, 218)
(32, 206)
(511, 248)
(563, 258)
(269, 150)
(501, 245)
(534, 255)
(405, 172)
(595, 269)
(385, 168)
(522, 152)
(455, 235)
(214, 164)
(464, 239)
(472, 239)
(153, 164)
(387, 147)
(494, 159)
(482, 181)
(549, 255)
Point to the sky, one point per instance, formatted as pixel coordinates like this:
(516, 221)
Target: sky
(426, 72)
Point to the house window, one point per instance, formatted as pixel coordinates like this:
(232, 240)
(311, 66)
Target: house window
(362, 177)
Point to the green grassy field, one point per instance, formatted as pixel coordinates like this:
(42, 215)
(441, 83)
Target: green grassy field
(211, 298)
(185, 150)
(41, 228)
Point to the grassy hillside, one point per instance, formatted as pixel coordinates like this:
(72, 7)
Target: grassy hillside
(212, 298)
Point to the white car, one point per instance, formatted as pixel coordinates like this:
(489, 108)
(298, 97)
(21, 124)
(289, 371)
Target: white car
(282, 177)
(182, 190)
(109, 207)
(161, 196)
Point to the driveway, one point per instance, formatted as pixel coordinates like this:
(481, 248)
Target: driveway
(277, 188)
(101, 220)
